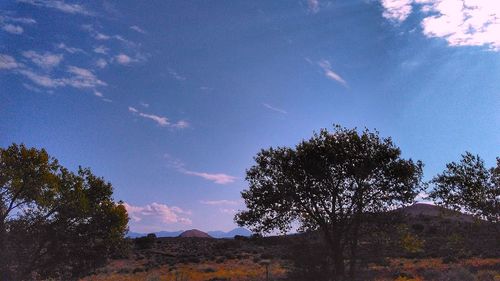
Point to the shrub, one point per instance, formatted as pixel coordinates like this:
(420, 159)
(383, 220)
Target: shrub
(457, 273)
(485, 275)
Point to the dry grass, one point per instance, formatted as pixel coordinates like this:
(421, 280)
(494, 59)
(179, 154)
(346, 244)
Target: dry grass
(236, 270)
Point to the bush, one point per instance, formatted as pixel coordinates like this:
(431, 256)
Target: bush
(485, 275)
(458, 273)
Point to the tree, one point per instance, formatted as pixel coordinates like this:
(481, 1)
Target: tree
(328, 183)
(469, 186)
(53, 222)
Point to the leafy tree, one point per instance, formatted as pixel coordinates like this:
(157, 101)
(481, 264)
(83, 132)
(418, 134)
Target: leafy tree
(328, 183)
(53, 222)
(469, 186)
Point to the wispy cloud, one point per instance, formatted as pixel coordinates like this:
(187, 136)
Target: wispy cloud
(103, 50)
(156, 216)
(8, 62)
(219, 178)
(4, 18)
(275, 109)
(45, 60)
(101, 63)
(138, 29)
(313, 6)
(78, 78)
(330, 74)
(68, 49)
(11, 28)
(176, 75)
(459, 22)
(60, 6)
(228, 211)
(219, 202)
(160, 120)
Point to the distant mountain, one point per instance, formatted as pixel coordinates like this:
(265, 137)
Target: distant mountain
(430, 210)
(215, 234)
(194, 233)
(230, 234)
(158, 234)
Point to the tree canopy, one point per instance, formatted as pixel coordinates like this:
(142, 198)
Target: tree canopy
(469, 186)
(53, 222)
(328, 183)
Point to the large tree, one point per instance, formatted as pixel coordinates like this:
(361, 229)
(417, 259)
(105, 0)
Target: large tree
(328, 183)
(53, 222)
(469, 186)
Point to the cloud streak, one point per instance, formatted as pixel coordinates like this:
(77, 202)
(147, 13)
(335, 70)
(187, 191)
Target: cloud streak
(275, 109)
(160, 120)
(59, 5)
(218, 178)
(330, 74)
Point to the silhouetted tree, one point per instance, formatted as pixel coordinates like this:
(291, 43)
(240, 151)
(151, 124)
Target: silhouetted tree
(328, 183)
(469, 186)
(54, 223)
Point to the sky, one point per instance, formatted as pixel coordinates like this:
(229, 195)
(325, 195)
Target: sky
(171, 100)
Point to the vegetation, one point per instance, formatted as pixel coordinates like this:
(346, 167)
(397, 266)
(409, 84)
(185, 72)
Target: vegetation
(470, 187)
(53, 222)
(329, 182)
(347, 191)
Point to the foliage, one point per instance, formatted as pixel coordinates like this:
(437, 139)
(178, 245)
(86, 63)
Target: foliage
(328, 183)
(53, 222)
(469, 186)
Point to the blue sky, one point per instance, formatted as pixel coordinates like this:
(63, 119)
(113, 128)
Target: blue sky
(170, 100)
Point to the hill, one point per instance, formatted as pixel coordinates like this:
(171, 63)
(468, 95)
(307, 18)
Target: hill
(194, 233)
(429, 210)
(215, 234)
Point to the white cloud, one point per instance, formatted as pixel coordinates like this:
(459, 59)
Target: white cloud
(98, 94)
(78, 78)
(70, 50)
(330, 74)
(138, 29)
(41, 80)
(146, 105)
(123, 59)
(101, 63)
(313, 6)
(218, 178)
(459, 22)
(156, 217)
(60, 6)
(14, 29)
(182, 124)
(396, 10)
(82, 78)
(17, 20)
(101, 50)
(46, 60)
(8, 62)
(219, 202)
(160, 120)
(275, 109)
